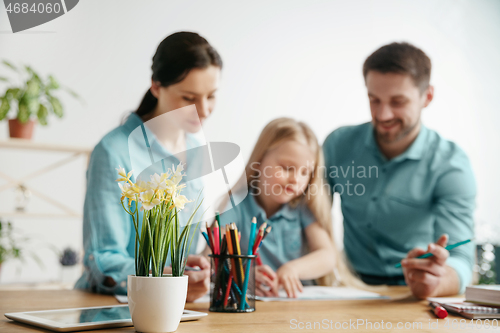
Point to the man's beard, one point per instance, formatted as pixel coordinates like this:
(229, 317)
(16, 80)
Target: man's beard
(403, 132)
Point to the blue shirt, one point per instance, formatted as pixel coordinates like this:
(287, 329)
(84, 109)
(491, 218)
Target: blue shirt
(108, 231)
(392, 206)
(285, 242)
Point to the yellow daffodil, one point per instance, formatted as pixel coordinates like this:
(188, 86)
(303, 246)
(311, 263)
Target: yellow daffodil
(124, 176)
(127, 191)
(177, 174)
(147, 199)
(158, 182)
(180, 201)
(141, 186)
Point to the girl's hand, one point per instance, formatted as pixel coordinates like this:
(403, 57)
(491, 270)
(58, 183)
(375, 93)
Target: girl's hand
(288, 277)
(266, 281)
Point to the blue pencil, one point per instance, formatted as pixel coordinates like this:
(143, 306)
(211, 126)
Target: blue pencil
(249, 261)
(206, 238)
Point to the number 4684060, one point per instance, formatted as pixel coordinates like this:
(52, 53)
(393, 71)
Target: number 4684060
(35, 8)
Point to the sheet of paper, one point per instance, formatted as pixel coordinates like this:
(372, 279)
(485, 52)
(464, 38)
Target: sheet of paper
(325, 293)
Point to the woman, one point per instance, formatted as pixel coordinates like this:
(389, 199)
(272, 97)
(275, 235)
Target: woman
(186, 71)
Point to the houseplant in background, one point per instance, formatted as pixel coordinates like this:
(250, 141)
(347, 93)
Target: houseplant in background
(70, 270)
(156, 300)
(10, 245)
(30, 97)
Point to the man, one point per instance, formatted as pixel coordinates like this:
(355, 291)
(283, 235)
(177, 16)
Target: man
(402, 186)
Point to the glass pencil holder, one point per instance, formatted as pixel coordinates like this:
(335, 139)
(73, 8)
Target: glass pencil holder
(232, 283)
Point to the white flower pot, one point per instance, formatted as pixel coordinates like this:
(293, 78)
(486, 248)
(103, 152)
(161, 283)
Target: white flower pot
(156, 303)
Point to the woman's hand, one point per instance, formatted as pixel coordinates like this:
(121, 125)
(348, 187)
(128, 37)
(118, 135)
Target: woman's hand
(288, 277)
(199, 281)
(266, 281)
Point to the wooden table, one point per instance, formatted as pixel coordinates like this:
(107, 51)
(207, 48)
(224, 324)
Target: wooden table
(291, 316)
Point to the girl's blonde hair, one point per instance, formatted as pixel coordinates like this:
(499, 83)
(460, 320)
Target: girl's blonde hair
(316, 196)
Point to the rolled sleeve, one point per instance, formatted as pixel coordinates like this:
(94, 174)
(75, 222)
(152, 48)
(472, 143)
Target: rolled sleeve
(107, 228)
(454, 203)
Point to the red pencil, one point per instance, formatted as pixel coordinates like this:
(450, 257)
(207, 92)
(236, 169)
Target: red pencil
(216, 238)
(228, 289)
(210, 238)
(259, 238)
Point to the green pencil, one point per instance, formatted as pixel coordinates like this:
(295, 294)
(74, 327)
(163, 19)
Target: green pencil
(449, 247)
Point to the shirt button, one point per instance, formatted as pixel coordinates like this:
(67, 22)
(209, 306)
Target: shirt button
(374, 198)
(384, 169)
(369, 225)
(123, 284)
(91, 257)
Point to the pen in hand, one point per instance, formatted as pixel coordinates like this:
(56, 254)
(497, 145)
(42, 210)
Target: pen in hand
(449, 247)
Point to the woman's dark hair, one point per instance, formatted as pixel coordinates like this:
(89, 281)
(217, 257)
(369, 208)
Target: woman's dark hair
(175, 57)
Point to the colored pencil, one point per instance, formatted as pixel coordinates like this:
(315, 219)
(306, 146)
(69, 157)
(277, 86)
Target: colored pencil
(228, 288)
(206, 238)
(236, 251)
(259, 238)
(449, 247)
(231, 251)
(217, 218)
(216, 238)
(251, 240)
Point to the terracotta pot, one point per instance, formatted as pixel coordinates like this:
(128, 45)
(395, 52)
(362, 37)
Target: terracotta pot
(20, 130)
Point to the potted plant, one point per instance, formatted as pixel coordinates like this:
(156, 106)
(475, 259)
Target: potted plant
(32, 97)
(70, 270)
(156, 300)
(10, 245)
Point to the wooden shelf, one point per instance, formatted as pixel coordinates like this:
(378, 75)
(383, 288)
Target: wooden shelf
(72, 153)
(34, 145)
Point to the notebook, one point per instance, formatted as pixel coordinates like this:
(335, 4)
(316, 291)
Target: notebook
(484, 294)
(467, 309)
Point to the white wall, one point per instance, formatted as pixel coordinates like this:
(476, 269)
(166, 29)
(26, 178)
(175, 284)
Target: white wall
(297, 58)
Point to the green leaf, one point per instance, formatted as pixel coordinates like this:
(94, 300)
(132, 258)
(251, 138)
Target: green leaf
(33, 89)
(42, 115)
(53, 84)
(13, 93)
(33, 105)
(29, 70)
(4, 108)
(56, 106)
(4, 79)
(23, 114)
(10, 65)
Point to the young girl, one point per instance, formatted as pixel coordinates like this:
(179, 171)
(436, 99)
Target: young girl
(286, 190)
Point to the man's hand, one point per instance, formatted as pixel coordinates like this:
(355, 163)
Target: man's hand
(424, 276)
(199, 281)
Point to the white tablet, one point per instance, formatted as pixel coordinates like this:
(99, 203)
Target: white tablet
(79, 319)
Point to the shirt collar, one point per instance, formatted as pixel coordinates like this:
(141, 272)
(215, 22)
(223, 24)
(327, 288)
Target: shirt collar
(414, 152)
(133, 121)
(284, 212)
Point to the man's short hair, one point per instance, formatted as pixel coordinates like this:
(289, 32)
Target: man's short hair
(402, 58)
